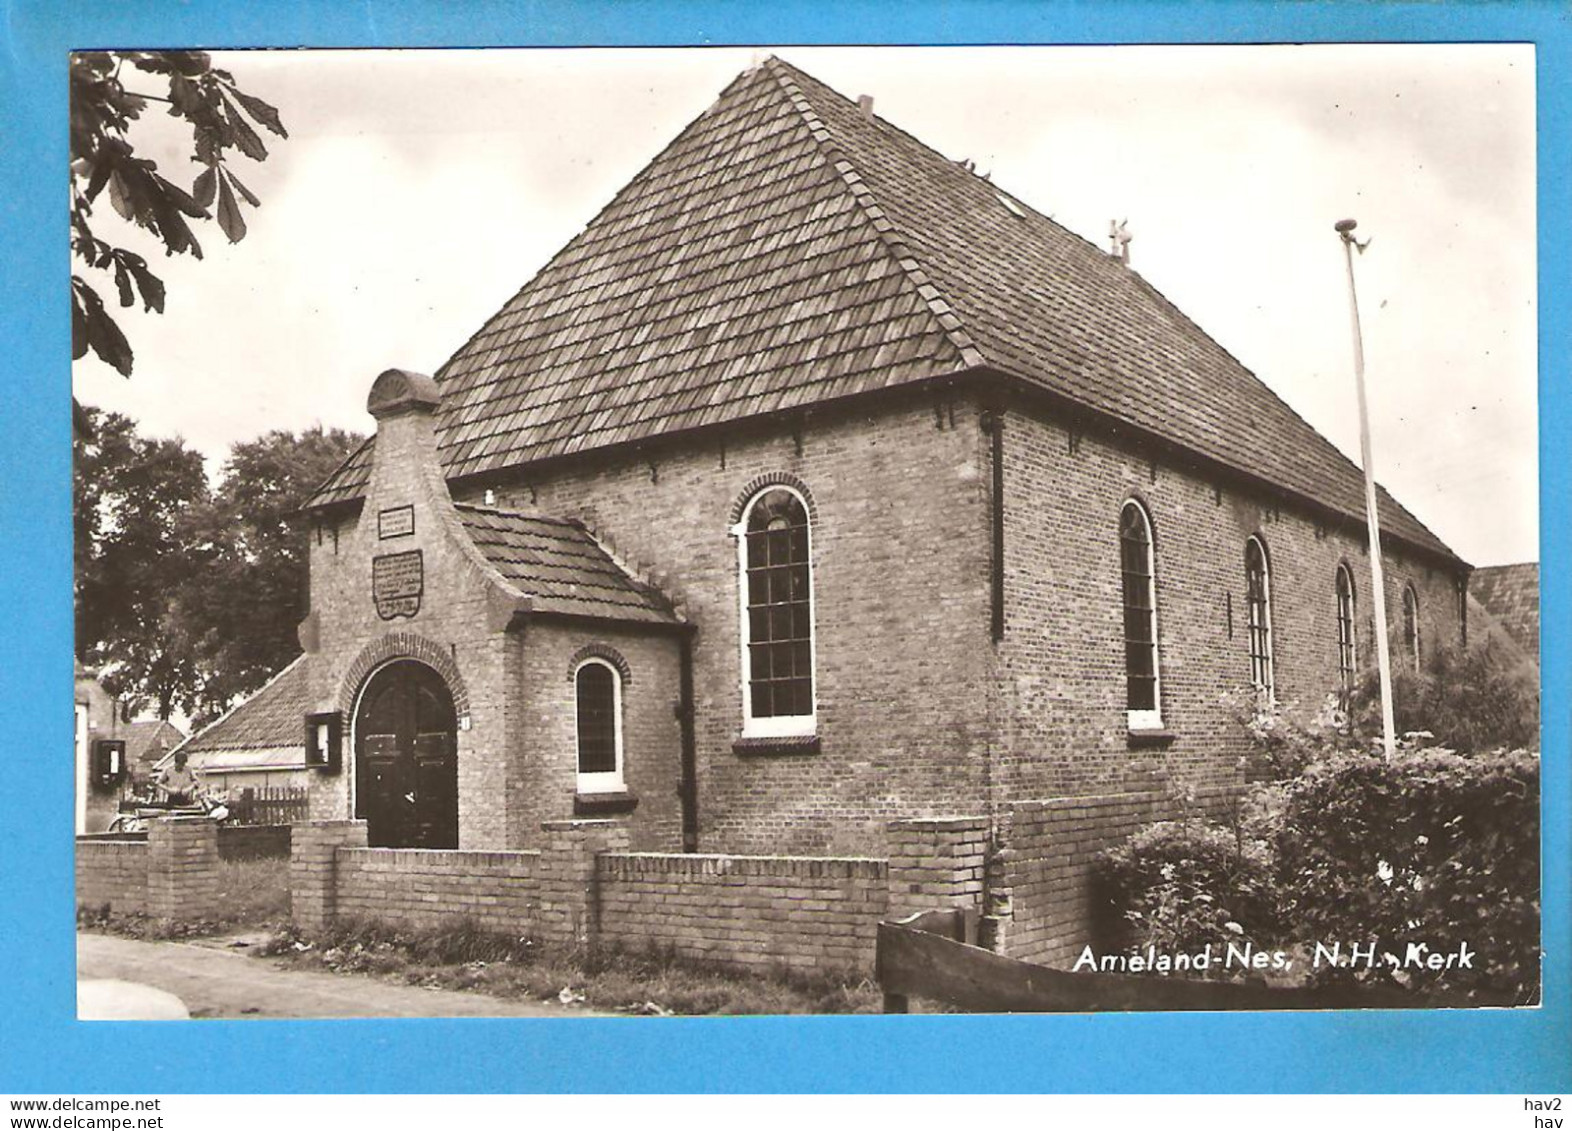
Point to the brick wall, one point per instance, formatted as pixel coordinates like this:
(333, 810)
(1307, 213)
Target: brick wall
(937, 862)
(170, 875)
(900, 578)
(1061, 695)
(543, 786)
(1041, 893)
(748, 911)
(416, 888)
(113, 874)
(583, 886)
(182, 869)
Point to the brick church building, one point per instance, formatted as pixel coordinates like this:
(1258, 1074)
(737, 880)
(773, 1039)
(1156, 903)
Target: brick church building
(818, 483)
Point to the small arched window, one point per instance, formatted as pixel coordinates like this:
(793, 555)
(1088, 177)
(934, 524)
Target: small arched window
(1258, 602)
(1139, 577)
(1411, 625)
(1347, 647)
(597, 692)
(777, 615)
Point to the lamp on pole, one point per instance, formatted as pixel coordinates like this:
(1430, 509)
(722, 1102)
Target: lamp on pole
(1345, 231)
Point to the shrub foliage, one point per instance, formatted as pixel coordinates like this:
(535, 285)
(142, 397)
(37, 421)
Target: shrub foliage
(1432, 849)
(1179, 885)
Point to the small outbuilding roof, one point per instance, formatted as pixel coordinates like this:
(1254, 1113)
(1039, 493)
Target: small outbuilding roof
(151, 739)
(271, 720)
(561, 567)
(1510, 594)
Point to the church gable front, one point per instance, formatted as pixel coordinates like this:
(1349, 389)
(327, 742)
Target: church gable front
(428, 622)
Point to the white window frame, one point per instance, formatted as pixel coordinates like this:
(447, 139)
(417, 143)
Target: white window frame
(1143, 719)
(614, 781)
(776, 726)
(1268, 690)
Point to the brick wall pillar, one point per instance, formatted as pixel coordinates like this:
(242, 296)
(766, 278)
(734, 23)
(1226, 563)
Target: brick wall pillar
(313, 875)
(182, 868)
(937, 862)
(569, 895)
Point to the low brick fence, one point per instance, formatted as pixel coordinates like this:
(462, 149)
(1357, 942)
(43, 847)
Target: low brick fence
(1040, 891)
(418, 888)
(111, 873)
(745, 910)
(583, 885)
(1031, 883)
(172, 875)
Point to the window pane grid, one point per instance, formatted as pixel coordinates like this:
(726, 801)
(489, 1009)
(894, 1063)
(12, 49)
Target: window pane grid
(780, 624)
(597, 719)
(1346, 661)
(1259, 616)
(1140, 607)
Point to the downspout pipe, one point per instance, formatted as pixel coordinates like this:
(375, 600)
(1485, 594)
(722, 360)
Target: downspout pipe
(992, 422)
(688, 788)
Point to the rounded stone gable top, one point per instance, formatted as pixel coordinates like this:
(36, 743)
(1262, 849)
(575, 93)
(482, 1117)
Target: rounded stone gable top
(402, 390)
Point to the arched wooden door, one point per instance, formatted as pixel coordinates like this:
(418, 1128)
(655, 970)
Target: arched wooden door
(406, 759)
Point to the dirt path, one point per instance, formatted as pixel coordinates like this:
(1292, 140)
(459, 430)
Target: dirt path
(216, 983)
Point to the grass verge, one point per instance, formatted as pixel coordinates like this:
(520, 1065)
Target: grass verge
(461, 956)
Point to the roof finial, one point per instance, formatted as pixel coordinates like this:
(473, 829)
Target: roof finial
(1119, 238)
(865, 104)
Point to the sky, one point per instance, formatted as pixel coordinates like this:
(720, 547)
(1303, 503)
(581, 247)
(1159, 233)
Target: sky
(418, 190)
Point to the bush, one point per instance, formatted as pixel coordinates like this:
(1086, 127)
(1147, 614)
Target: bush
(1473, 700)
(1287, 739)
(1430, 848)
(1179, 885)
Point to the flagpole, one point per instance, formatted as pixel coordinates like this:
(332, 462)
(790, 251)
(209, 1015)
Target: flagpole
(1345, 230)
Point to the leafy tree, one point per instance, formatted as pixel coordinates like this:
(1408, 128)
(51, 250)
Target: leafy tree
(238, 612)
(103, 109)
(132, 498)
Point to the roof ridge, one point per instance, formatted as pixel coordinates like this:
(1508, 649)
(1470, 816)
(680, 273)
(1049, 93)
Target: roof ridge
(941, 309)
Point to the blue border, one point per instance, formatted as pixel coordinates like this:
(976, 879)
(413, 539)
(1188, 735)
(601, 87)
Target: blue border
(1492, 1051)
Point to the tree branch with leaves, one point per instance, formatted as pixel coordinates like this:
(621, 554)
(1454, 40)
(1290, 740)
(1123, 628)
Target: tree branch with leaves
(110, 92)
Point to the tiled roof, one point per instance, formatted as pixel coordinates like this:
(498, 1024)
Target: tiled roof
(151, 739)
(786, 249)
(1510, 594)
(272, 718)
(561, 567)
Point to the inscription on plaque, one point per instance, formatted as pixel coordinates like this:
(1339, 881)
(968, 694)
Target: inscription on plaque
(395, 522)
(397, 582)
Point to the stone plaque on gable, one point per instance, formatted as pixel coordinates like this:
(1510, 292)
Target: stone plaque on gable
(397, 582)
(395, 522)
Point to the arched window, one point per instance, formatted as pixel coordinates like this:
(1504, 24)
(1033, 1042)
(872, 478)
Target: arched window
(597, 692)
(1258, 599)
(1347, 648)
(777, 615)
(1411, 624)
(1139, 575)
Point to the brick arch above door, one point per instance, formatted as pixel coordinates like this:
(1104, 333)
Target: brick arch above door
(402, 646)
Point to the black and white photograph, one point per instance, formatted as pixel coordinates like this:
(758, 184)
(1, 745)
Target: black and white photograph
(804, 530)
